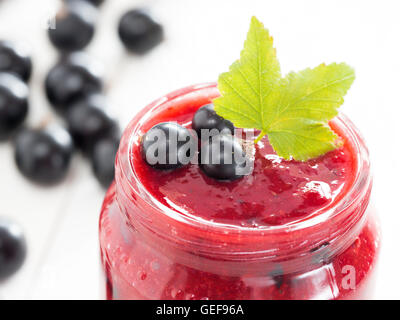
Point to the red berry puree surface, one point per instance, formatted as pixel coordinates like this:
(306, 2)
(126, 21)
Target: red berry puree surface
(277, 192)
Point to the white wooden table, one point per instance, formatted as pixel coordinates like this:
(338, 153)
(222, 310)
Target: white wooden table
(202, 39)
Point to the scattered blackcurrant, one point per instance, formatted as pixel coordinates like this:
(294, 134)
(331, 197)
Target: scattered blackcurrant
(74, 26)
(73, 78)
(139, 32)
(168, 145)
(97, 3)
(44, 155)
(103, 160)
(12, 248)
(13, 103)
(15, 58)
(90, 121)
(207, 118)
(222, 157)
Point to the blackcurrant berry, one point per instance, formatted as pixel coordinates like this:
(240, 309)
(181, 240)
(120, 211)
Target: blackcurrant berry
(139, 32)
(90, 121)
(222, 157)
(168, 145)
(103, 160)
(72, 79)
(74, 26)
(97, 3)
(12, 248)
(15, 58)
(13, 103)
(44, 155)
(207, 118)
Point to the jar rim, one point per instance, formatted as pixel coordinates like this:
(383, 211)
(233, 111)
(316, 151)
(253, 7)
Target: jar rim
(323, 218)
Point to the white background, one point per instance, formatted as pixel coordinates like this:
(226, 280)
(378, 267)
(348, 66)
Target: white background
(202, 39)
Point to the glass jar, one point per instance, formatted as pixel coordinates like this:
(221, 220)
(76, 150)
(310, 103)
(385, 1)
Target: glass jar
(150, 251)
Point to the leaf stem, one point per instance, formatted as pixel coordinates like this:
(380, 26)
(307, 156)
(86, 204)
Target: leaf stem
(260, 136)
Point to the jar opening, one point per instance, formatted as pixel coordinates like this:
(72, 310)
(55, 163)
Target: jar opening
(143, 210)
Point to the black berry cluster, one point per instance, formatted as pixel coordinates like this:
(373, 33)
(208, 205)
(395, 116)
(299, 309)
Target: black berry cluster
(220, 152)
(74, 87)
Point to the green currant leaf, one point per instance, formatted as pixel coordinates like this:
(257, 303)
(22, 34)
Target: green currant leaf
(245, 88)
(293, 111)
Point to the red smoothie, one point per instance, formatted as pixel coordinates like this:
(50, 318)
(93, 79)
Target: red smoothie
(289, 230)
